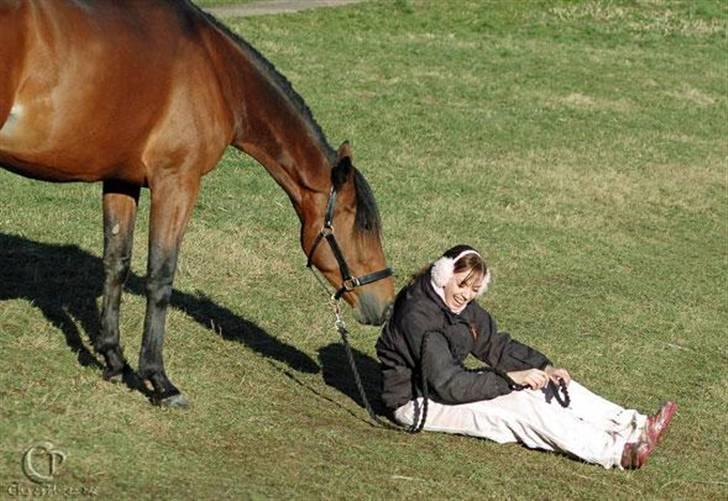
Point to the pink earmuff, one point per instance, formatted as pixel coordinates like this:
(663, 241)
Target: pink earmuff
(444, 268)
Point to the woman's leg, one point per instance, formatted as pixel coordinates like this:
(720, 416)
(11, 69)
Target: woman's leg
(525, 417)
(604, 414)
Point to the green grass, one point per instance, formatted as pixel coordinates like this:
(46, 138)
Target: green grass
(581, 145)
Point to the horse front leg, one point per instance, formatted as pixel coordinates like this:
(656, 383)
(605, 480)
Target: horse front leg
(172, 202)
(120, 206)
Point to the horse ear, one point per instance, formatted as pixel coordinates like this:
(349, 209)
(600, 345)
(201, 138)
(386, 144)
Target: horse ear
(344, 151)
(343, 168)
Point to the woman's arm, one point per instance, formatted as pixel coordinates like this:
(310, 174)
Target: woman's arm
(499, 350)
(450, 381)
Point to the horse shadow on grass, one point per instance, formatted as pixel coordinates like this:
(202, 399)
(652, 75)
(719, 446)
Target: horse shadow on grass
(64, 282)
(338, 374)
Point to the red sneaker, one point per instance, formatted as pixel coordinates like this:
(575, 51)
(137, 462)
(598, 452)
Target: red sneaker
(635, 454)
(657, 424)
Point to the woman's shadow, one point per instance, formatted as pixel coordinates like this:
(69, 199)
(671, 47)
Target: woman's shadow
(64, 281)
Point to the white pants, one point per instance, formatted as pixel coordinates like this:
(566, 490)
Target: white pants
(591, 428)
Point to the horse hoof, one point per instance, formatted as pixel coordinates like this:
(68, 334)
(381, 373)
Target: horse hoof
(175, 402)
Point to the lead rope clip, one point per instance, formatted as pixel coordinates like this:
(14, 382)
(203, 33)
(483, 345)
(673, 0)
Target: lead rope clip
(338, 322)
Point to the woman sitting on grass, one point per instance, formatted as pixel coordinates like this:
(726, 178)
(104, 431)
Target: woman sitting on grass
(436, 323)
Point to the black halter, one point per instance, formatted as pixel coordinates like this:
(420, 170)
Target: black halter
(348, 283)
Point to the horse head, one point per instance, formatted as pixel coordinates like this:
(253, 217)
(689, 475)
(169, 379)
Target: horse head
(344, 242)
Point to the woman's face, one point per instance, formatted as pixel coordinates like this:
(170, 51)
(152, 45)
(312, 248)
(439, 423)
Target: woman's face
(458, 293)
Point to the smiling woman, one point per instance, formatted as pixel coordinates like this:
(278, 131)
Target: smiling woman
(436, 324)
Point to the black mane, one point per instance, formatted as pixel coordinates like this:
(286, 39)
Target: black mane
(367, 214)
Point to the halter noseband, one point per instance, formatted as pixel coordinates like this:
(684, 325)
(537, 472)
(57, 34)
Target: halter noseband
(348, 282)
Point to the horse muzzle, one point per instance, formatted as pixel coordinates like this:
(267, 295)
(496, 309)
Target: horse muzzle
(371, 311)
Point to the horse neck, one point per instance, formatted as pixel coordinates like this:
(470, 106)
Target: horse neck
(297, 162)
(274, 126)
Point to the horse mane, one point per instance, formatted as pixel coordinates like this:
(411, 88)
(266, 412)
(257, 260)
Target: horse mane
(367, 215)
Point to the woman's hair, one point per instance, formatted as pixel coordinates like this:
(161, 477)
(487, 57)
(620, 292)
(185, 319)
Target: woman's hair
(471, 261)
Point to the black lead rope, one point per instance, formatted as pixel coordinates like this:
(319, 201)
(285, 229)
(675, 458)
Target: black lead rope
(553, 388)
(566, 400)
(341, 328)
(418, 422)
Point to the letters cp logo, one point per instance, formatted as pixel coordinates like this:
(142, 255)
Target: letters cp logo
(41, 462)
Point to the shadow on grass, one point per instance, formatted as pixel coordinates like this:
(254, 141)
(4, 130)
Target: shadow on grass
(64, 281)
(337, 374)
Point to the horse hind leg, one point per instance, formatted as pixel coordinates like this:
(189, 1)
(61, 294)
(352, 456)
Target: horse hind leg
(120, 205)
(172, 203)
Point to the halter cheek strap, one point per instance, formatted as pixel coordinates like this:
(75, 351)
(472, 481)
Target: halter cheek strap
(348, 282)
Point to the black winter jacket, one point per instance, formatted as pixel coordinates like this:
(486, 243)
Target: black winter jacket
(418, 310)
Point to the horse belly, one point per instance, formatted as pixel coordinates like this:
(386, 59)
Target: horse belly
(26, 149)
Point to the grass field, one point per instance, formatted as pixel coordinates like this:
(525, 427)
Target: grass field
(581, 145)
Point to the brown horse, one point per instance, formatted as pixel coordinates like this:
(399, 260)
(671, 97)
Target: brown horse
(148, 94)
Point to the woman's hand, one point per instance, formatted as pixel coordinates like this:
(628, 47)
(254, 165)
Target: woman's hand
(535, 378)
(555, 374)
